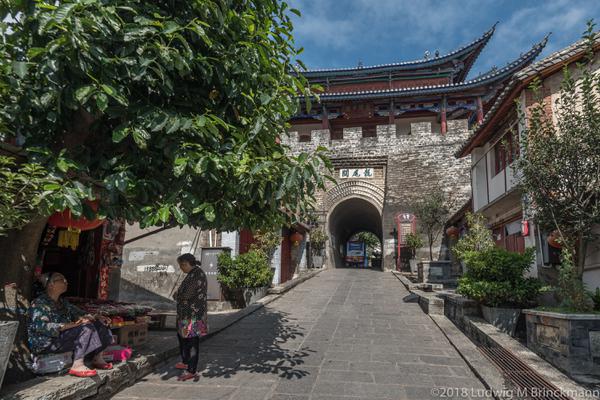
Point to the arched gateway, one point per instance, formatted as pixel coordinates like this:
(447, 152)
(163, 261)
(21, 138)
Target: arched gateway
(353, 206)
(392, 131)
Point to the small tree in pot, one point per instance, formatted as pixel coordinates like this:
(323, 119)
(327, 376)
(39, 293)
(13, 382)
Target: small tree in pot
(245, 277)
(432, 212)
(413, 243)
(318, 238)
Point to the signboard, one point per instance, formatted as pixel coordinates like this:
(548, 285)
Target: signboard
(140, 255)
(155, 268)
(356, 173)
(355, 252)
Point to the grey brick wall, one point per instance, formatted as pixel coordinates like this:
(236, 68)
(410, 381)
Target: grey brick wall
(406, 167)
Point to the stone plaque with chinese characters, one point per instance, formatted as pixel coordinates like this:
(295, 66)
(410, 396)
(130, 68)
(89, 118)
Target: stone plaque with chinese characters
(356, 173)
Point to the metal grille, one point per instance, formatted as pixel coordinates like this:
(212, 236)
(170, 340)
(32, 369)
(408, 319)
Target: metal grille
(521, 375)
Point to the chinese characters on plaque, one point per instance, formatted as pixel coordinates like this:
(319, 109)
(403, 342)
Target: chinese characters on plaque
(356, 173)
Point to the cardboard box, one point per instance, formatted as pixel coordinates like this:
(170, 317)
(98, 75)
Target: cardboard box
(132, 335)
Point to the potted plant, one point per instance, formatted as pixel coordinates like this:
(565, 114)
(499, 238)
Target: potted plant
(432, 212)
(245, 278)
(558, 169)
(413, 243)
(495, 278)
(318, 238)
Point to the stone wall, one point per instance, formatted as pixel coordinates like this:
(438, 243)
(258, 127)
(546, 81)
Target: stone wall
(406, 167)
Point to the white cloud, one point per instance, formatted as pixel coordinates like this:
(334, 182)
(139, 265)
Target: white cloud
(339, 33)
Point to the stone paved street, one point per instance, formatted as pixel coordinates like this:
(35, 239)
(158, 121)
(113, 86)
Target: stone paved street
(345, 334)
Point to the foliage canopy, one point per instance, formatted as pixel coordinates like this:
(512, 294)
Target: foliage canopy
(168, 111)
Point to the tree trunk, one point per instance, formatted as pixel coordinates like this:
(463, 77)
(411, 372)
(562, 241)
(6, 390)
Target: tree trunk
(19, 250)
(581, 256)
(430, 250)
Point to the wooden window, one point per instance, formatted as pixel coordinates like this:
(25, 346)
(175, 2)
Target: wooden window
(369, 131)
(337, 133)
(499, 157)
(304, 137)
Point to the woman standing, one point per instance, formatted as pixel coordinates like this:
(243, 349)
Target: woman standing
(191, 314)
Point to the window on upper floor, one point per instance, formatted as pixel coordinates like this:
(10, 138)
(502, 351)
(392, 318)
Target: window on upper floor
(369, 131)
(304, 137)
(506, 151)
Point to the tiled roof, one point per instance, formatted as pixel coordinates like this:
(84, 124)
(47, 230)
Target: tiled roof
(475, 45)
(484, 79)
(524, 75)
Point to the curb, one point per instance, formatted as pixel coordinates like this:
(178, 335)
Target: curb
(482, 368)
(125, 374)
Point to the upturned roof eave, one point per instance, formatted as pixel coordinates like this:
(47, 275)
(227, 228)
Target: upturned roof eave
(485, 80)
(520, 80)
(475, 46)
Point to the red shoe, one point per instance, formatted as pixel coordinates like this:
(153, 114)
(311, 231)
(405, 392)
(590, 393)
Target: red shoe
(181, 365)
(83, 374)
(186, 376)
(104, 366)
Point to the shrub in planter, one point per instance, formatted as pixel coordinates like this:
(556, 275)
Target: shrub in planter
(495, 278)
(248, 270)
(244, 276)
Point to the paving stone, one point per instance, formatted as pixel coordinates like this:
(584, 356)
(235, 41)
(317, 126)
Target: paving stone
(333, 339)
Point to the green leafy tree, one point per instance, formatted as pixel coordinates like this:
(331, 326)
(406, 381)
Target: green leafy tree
(560, 168)
(432, 211)
(477, 238)
(318, 238)
(167, 111)
(371, 241)
(22, 195)
(414, 242)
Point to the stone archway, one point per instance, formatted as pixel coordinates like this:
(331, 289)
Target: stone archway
(352, 207)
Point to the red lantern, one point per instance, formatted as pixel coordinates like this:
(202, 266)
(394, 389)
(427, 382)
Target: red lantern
(66, 220)
(296, 238)
(553, 240)
(452, 232)
(73, 226)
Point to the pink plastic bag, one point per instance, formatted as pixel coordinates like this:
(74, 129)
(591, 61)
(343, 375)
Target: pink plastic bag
(116, 353)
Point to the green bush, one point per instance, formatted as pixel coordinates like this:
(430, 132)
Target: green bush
(495, 278)
(248, 270)
(595, 296)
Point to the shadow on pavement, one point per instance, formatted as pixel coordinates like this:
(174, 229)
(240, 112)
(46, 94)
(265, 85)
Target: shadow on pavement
(264, 342)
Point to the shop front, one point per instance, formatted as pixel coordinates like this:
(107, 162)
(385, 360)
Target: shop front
(89, 255)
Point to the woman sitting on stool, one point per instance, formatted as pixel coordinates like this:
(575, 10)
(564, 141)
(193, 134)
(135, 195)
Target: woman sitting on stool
(57, 326)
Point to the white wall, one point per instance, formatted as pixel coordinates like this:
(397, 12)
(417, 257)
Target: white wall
(231, 240)
(276, 265)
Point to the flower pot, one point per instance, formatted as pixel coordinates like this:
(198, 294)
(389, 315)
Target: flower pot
(570, 342)
(8, 330)
(504, 319)
(243, 297)
(317, 261)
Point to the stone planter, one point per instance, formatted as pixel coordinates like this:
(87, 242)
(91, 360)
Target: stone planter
(435, 272)
(8, 330)
(504, 319)
(243, 297)
(570, 342)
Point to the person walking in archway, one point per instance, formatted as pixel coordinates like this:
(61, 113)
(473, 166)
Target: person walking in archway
(192, 321)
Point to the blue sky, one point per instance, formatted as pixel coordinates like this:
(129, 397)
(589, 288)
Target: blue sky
(340, 33)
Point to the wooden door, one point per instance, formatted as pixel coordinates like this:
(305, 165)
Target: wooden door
(286, 258)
